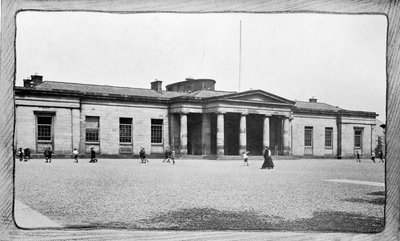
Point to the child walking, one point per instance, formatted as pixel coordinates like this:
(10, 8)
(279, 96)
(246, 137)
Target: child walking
(75, 152)
(27, 154)
(92, 155)
(47, 154)
(20, 154)
(173, 157)
(358, 156)
(143, 156)
(373, 156)
(245, 158)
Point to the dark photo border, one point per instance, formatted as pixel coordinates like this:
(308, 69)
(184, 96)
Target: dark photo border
(10, 9)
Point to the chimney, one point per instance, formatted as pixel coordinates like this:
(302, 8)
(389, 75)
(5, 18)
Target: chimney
(34, 81)
(27, 83)
(312, 100)
(156, 85)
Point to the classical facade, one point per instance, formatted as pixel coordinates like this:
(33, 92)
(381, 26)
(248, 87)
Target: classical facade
(190, 117)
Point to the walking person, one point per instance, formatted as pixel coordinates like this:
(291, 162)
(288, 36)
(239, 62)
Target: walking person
(142, 155)
(20, 154)
(373, 156)
(268, 163)
(92, 155)
(47, 154)
(358, 156)
(27, 154)
(75, 152)
(245, 158)
(173, 157)
(167, 155)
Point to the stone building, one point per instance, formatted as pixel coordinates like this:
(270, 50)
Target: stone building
(190, 117)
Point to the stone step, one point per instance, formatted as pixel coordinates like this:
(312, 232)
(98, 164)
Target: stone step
(161, 156)
(234, 157)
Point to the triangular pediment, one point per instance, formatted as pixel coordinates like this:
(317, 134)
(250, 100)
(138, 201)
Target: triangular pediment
(257, 96)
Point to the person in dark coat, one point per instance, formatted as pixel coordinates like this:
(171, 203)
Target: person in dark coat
(92, 155)
(268, 163)
(167, 155)
(27, 154)
(358, 156)
(142, 155)
(47, 154)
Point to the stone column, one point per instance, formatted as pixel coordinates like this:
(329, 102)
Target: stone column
(286, 137)
(266, 132)
(183, 134)
(242, 134)
(220, 135)
(205, 134)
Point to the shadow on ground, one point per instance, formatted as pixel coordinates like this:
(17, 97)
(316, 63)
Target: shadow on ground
(212, 219)
(377, 201)
(379, 193)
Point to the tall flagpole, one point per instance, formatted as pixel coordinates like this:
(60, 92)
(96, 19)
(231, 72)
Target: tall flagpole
(240, 52)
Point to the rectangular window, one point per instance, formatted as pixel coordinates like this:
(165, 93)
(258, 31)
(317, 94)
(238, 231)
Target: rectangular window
(358, 137)
(308, 136)
(44, 124)
(328, 137)
(125, 130)
(156, 131)
(92, 128)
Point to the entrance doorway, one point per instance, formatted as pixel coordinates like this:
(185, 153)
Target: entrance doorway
(254, 134)
(194, 134)
(275, 139)
(231, 133)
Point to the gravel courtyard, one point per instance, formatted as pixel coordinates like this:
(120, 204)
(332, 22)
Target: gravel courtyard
(205, 194)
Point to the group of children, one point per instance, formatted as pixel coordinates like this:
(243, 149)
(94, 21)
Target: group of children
(169, 155)
(373, 155)
(24, 154)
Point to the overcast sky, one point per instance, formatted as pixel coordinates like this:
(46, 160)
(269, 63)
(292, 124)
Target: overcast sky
(339, 59)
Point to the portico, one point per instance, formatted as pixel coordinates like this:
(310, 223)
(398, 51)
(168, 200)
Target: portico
(232, 125)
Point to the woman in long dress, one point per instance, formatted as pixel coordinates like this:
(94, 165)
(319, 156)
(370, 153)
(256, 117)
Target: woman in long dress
(268, 163)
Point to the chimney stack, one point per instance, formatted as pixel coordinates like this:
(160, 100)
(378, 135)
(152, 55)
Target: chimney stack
(34, 81)
(156, 85)
(312, 100)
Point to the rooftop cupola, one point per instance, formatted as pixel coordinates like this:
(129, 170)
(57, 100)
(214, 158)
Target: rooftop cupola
(312, 100)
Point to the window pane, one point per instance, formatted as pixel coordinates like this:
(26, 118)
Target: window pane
(357, 138)
(156, 121)
(92, 128)
(125, 120)
(44, 132)
(44, 120)
(308, 136)
(328, 137)
(125, 130)
(156, 130)
(92, 122)
(92, 135)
